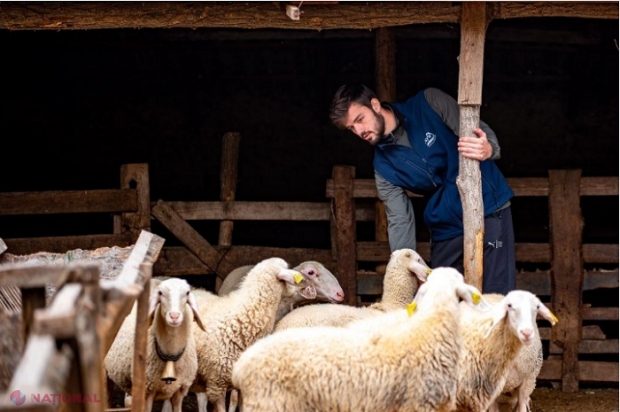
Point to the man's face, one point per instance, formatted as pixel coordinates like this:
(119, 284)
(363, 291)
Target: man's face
(365, 122)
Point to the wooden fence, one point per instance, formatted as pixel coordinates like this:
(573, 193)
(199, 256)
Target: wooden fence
(350, 202)
(65, 341)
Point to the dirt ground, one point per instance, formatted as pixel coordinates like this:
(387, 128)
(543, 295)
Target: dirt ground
(586, 400)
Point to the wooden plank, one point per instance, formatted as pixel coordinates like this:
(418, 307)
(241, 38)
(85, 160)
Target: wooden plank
(146, 250)
(58, 319)
(590, 347)
(68, 201)
(61, 244)
(594, 10)
(135, 221)
(589, 371)
(521, 186)
(207, 254)
(566, 231)
(600, 253)
(228, 181)
(590, 313)
(178, 261)
(299, 211)
(589, 332)
(263, 15)
(32, 299)
(344, 207)
(138, 382)
(25, 275)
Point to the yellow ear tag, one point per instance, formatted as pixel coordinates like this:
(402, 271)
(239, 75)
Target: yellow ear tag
(429, 271)
(298, 278)
(475, 298)
(556, 320)
(411, 308)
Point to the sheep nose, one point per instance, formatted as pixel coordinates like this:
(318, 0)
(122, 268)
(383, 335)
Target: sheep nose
(527, 333)
(340, 295)
(175, 315)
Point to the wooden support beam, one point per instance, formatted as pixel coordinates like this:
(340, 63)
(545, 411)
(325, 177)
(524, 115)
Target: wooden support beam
(471, 62)
(228, 182)
(566, 232)
(385, 75)
(138, 383)
(135, 176)
(61, 244)
(263, 15)
(344, 222)
(192, 239)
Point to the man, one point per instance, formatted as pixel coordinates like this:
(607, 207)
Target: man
(417, 148)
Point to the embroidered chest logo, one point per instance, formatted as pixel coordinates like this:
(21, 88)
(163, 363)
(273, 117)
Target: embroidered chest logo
(430, 139)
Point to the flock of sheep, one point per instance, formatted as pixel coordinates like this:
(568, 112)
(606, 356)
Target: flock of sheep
(432, 343)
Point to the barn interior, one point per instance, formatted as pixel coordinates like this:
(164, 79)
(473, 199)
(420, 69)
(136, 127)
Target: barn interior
(79, 102)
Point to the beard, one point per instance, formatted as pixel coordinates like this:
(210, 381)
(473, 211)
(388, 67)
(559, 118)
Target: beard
(379, 129)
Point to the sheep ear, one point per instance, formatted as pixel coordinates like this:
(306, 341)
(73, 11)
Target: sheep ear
(191, 301)
(473, 297)
(419, 269)
(309, 292)
(292, 277)
(547, 314)
(153, 302)
(500, 313)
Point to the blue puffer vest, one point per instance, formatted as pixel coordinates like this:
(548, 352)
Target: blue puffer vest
(431, 165)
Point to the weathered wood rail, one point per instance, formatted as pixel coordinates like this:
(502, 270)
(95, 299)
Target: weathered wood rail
(351, 202)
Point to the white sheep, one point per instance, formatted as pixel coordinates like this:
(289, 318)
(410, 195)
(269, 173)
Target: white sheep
(521, 380)
(172, 307)
(404, 269)
(489, 353)
(236, 321)
(407, 366)
(325, 283)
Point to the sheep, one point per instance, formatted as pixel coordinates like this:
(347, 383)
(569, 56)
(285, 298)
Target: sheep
(236, 321)
(489, 353)
(172, 307)
(399, 286)
(325, 283)
(521, 380)
(407, 366)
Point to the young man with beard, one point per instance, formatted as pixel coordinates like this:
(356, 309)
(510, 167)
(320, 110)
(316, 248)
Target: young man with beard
(417, 148)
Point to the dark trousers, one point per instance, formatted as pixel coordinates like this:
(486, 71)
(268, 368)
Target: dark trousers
(500, 272)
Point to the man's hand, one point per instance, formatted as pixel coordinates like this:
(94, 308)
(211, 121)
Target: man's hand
(477, 148)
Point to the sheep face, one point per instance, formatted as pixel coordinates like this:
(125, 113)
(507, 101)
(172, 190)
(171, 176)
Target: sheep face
(325, 283)
(171, 296)
(520, 309)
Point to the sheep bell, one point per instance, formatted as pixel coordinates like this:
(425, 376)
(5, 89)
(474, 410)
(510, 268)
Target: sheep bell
(169, 375)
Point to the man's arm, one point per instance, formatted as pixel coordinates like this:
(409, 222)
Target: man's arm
(400, 217)
(448, 109)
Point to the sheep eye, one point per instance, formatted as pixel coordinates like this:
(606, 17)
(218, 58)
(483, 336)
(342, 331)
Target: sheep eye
(160, 293)
(187, 293)
(510, 306)
(311, 273)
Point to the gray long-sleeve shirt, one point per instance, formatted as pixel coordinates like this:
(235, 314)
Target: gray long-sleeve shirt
(398, 207)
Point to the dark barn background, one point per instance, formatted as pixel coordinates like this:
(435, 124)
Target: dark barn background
(77, 104)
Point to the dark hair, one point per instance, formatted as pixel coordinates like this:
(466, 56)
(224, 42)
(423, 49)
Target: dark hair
(345, 95)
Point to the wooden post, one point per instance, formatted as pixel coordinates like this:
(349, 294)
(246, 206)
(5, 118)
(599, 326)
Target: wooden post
(566, 231)
(228, 180)
(344, 210)
(385, 78)
(471, 61)
(135, 176)
(138, 385)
